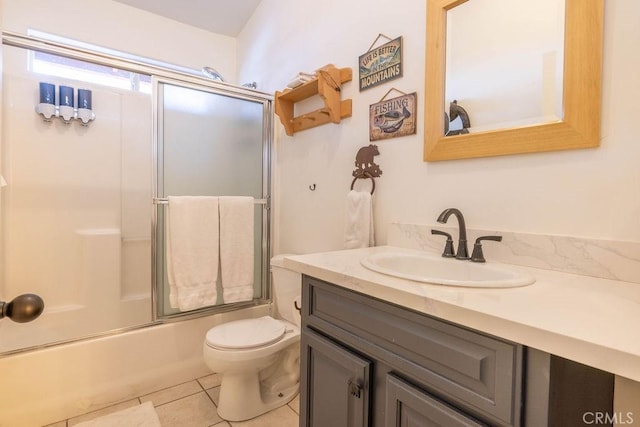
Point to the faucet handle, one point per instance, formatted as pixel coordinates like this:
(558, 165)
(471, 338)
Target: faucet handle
(477, 255)
(448, 247)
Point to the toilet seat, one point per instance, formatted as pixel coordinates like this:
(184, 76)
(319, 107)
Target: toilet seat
(246, 334)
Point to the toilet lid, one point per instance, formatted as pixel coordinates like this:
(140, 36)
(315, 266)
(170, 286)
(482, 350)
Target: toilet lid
(245, 334)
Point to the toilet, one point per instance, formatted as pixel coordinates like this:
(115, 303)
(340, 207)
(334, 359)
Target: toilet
(259, 359)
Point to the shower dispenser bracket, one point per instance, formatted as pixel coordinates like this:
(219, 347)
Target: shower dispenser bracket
(66, 109)
(67, 114)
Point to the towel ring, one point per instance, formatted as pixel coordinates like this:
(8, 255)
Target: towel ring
(362, 176)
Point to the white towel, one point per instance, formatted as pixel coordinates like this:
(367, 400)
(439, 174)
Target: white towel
(192, 251)
(236, 248)
(143, 415)
(358, 230)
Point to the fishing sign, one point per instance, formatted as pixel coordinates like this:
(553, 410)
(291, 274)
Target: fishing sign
(381, 64)
(394, 117)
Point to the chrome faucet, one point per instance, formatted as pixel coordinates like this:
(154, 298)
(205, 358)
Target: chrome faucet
(463, 251)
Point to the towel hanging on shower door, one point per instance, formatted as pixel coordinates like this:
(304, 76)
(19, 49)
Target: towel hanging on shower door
(192, 251)
(236, 248)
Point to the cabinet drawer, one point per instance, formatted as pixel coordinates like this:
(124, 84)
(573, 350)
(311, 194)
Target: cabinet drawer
(479, 373)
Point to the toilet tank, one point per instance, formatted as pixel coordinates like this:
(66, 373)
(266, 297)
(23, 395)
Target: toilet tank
(287, 287)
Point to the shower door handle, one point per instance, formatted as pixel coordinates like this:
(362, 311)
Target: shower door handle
(23, 308)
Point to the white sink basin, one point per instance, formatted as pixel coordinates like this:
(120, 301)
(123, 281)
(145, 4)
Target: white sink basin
(429, 268)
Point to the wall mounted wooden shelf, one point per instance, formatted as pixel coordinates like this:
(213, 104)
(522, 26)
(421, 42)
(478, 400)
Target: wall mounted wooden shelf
(327, 84)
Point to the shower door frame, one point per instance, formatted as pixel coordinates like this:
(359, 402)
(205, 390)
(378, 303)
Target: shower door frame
(211, 86)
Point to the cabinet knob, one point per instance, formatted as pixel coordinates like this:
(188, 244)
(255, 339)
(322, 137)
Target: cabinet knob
(355, 389)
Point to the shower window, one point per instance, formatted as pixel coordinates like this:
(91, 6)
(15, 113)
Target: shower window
(59, 66)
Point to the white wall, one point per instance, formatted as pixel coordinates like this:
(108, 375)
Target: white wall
(590, 193)
(125, 28)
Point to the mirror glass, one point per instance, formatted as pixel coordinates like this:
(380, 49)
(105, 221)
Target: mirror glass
(504, 62)
(578, 125)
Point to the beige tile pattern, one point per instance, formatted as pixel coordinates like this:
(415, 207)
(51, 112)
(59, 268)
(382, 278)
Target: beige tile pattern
(210, 381)
(214, 394)
(188, 405)
(281, 417)
(172, 393)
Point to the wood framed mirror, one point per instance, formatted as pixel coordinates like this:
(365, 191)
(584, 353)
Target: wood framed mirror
(582, 92)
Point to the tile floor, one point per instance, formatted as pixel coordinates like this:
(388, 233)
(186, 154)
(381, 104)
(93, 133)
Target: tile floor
(193, 404)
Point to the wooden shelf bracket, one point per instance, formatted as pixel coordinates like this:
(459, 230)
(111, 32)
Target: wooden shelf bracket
(327, 85)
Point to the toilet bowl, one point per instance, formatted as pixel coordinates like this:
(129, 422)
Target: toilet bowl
(259, 359)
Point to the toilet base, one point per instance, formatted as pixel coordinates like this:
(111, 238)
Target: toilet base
(254, 401)
(257, 380)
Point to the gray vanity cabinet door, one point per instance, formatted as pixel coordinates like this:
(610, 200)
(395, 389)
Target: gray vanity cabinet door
(408, 406)
(334, 388)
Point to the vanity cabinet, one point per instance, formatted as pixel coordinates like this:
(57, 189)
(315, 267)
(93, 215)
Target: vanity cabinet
(366, 362)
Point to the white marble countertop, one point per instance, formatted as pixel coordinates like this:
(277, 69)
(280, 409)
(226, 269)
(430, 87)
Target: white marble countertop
(589, 320)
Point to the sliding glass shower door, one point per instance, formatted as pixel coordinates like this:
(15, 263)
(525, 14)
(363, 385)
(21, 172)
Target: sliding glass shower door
(211, 143)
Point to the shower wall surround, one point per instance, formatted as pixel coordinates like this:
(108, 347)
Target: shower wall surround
(76, 223)
(606, 259)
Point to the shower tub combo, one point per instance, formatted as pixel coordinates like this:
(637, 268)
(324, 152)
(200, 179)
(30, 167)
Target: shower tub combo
(83, 224)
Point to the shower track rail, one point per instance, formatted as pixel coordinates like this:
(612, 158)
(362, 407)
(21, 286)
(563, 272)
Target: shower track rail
(165, 201)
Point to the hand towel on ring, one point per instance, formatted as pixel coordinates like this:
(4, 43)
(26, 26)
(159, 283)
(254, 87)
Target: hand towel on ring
(358, 230)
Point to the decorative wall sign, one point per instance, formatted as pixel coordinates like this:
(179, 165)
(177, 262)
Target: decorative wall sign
(381, 64)
(390, 118)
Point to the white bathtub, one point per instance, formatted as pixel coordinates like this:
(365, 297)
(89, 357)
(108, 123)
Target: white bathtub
(44, 386)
